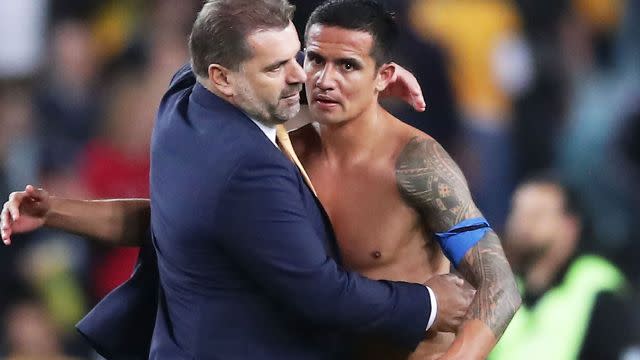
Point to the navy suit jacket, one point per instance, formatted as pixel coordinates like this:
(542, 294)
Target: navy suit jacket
(244, 249)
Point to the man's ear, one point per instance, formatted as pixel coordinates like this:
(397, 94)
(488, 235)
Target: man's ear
(221, 79)
(386, 75)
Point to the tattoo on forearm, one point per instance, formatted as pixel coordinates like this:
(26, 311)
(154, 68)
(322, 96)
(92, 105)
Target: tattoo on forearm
(433, 184)
(488, 270)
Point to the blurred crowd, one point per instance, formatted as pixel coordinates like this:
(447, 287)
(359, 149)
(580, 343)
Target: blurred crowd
(522, 93)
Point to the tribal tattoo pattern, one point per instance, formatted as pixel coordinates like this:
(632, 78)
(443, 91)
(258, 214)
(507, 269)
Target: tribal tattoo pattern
(433, 184)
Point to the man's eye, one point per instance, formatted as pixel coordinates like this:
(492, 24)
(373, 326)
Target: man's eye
(275, 69)
(348, 67)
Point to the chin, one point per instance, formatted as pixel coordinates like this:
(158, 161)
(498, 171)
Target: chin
(286, 115)
(324, 118)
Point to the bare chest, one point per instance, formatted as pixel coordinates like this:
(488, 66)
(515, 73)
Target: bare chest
(379, 235)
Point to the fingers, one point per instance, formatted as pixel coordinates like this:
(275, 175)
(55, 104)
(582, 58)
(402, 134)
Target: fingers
(418, 102)
(5, 225)
(13, 205)
(458, 280)
(455, 279)
(417, 99)
(415, 92)
(30, 190)
(411, 85)
(35, 194)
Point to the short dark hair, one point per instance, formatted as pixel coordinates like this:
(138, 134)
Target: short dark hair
(219, 34)
(369, 16)
(572, 205)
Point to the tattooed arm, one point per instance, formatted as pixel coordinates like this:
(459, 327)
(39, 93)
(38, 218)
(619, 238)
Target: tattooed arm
(433, 184)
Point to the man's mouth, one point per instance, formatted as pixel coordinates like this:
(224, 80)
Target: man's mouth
(325, 100)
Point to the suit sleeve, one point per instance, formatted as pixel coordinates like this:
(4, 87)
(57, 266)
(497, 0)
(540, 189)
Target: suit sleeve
(265, 229)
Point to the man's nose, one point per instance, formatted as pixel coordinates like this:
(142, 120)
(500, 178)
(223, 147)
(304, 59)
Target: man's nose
(325, 80)
(296, 74)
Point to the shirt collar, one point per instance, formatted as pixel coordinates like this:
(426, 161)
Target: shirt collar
(270, 131)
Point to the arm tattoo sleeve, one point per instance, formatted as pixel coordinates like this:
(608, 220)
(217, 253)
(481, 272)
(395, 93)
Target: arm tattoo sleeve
(433, 184)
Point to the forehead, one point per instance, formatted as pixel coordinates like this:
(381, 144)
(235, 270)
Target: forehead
(333, 40)
(539, 196)
(274, 44)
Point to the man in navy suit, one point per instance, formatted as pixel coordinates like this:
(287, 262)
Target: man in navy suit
(244, 250)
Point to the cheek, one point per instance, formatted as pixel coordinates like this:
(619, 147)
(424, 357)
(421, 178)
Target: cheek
(268, 88)
(356, 91)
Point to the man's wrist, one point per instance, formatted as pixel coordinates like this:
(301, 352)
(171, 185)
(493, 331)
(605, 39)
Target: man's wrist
(53, 216)
(434, 308)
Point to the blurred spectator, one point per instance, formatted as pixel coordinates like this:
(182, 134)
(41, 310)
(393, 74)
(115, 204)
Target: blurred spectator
(491, 63)
(575, 305)
(116, 165)
(30, 333)
(22, 30)
(18, 146)
(512, 87)
(68, 104)
(626, 153)
(48, 265)
(430, 64)
(18, 163)
(604, 88)
(541, 108)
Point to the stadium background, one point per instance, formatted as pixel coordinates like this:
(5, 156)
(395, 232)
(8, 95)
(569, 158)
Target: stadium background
(513, 88)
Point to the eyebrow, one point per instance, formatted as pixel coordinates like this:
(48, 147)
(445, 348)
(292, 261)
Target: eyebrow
(313, 54)
(276, 64)
(346, 60)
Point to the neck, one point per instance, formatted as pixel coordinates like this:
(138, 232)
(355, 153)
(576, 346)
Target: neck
(354, 140)
(541, 273)
(206, 83)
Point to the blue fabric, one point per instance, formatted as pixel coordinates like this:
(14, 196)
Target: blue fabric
(456, 241)
(245, 253)
(129, 311)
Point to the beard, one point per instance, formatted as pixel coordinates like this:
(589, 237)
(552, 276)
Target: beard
(270, 112)
(524, 255)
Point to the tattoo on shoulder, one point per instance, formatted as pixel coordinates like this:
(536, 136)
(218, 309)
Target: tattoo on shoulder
(432, 183)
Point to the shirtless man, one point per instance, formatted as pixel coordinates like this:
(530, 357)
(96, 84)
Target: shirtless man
(387, 187)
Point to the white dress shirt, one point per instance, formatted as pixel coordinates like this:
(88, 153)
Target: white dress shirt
(270, 131)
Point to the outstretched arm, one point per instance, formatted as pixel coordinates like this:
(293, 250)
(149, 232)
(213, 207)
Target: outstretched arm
(432, 182)
(122, 222)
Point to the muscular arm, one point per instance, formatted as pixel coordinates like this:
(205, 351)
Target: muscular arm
(122, 222)
(432, 183)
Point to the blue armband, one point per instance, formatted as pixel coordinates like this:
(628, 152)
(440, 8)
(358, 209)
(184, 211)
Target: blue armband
(456, 241)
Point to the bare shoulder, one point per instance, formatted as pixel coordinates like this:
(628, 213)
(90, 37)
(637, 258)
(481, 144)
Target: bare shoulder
(305, 139)
(431, 181)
